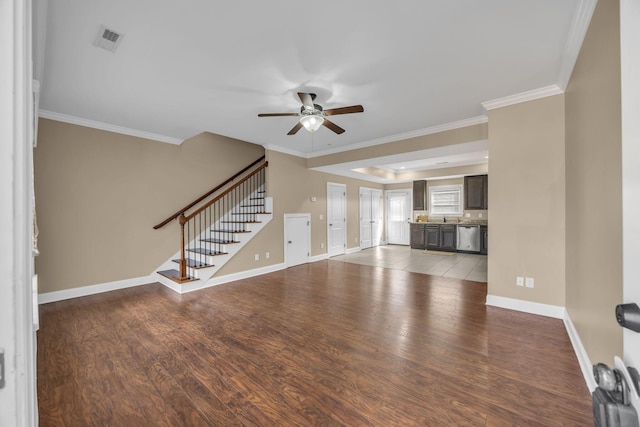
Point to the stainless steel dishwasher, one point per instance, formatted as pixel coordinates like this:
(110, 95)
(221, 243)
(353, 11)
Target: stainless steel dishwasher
(468, 238)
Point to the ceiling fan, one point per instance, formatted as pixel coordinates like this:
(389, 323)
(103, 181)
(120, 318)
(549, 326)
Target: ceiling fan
(312, 116)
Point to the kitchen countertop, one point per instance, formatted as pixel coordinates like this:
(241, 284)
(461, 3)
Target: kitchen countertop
(467, 222)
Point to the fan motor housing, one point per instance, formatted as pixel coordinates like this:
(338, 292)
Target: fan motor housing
(317, 110)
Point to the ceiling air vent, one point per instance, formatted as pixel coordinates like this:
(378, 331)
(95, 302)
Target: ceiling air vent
(108, 39)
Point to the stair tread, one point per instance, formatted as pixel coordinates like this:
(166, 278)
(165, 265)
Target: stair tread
(205, 251)
(256, 198)
(251, 213)
(175, 276)
(194, 263)
(241, 222)
(215, 240)
(261, 205)
(229, 231)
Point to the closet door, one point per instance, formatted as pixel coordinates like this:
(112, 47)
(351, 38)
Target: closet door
(365, 218)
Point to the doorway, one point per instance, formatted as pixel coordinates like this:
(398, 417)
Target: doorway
(336, 219)
(370, 217)
(297, 238)
(398, 208)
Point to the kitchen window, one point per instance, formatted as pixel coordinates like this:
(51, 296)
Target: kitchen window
(445, 200)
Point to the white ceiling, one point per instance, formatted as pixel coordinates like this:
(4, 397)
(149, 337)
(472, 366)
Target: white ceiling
(184, 67)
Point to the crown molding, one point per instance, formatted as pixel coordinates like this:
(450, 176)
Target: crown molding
(284, 150)
(577, 32)
(530, 95)
(407, 135)
(45, 114)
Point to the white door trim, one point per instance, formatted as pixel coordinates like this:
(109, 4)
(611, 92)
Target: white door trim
(18, 399)
(307, 217)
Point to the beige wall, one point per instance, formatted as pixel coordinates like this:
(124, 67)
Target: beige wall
(594, 187)
(527, 200)
(98, 195)
(292, 185)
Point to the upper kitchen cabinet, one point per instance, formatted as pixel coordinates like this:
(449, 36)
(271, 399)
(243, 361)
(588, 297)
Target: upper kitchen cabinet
(476, 192)
(419, 195)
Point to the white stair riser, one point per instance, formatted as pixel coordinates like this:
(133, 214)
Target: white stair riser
(217, 261)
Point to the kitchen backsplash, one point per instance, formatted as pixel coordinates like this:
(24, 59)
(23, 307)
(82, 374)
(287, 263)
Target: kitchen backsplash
(473, 215)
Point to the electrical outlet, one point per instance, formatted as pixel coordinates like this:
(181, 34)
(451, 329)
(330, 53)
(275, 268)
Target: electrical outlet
(356, 240)
(321, 217)
(519, 281)
(467, 215)
(480, 215)
(267, 255)
(257, 256)
(529, 282)
(321, 245)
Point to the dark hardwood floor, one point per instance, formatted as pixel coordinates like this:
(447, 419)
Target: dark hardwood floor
(328, 343)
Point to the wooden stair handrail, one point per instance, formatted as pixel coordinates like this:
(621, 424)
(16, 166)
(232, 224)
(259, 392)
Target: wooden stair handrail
(227, 191)
(201, 198)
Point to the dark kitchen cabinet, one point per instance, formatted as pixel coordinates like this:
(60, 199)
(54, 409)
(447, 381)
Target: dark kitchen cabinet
(476, 190)
(484, 239)
(448, 237)
(432, 236)
(419, 195)
(417, 236)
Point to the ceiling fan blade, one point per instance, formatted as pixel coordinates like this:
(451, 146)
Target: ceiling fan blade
(295, 129)
(334, 127)
(277, 114)
(344, 110)
(307, 100)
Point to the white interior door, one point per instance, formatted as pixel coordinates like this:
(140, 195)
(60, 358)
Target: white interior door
(376, 217)
(365, 218)
(336, 218)
(630, 45)
(371, 223)
(297, 238)
(398, 216)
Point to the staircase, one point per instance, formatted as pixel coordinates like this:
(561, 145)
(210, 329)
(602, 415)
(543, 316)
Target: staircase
(217, 230)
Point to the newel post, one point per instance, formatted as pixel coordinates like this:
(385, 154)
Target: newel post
(183, 260)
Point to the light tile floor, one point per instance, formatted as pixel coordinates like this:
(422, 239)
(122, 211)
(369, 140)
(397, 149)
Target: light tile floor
(457, 266)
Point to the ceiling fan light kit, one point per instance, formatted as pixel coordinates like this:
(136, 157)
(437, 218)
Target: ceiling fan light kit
(312, 116)
(312, 122)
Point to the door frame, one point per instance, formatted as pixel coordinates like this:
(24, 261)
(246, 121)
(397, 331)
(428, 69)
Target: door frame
(18, 310)
(344, 228)
(409, 193)
(307, 217)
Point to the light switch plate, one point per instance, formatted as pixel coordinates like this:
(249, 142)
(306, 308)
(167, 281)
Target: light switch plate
(519, 281)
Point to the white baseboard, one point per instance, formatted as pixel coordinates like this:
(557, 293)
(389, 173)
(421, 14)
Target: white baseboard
(556, 312)
(583, 359)
(547, 310)
(353, 250)
(214, 281)
(93, 289)
(319, 257)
